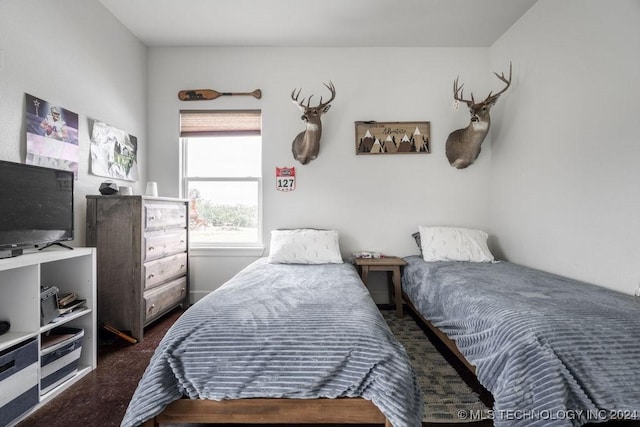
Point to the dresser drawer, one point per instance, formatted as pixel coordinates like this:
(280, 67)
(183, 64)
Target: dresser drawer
(165, 215)
(161, 270)
(161, 298)
(158, 244)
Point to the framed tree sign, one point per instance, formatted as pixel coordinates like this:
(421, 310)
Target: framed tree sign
(393, 137)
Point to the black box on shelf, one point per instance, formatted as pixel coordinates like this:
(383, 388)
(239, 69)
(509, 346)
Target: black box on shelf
(18, 380)
(59, 356)
(48, 304)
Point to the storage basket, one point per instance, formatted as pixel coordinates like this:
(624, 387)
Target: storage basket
(18, 380)
(59, 357)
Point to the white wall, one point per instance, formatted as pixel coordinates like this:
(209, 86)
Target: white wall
(375, 202)
(556, 183)
(566, 178)
(77, 55)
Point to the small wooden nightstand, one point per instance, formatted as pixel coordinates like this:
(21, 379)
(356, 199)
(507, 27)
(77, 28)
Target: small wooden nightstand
(391, 265)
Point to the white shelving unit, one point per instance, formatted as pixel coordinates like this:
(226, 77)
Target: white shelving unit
(20, 281)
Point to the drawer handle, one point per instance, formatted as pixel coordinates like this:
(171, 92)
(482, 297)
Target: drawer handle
(151, 276)
(152, 218)
(7, 366)
(151, 248)
(182, 290)
(181, 266)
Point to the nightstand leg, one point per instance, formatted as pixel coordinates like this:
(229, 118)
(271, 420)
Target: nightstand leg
(397, 287)
(364, 276)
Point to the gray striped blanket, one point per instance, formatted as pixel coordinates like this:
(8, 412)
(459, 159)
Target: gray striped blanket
(552, 351)
(282, 331)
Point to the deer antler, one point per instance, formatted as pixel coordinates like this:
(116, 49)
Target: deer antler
(460, 89)
(493, 98)
(294, 98)
(332, 88)
(490, 98)
(321, 105)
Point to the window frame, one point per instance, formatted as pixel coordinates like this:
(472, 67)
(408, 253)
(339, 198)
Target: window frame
(249, 248)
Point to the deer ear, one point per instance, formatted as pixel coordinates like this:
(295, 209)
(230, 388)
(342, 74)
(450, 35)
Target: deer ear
(325, 109)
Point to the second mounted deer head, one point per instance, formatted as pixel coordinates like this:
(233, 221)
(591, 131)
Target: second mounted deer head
(307, 144)
(463, 145)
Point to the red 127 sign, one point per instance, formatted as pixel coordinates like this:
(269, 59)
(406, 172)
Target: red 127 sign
(285, 179)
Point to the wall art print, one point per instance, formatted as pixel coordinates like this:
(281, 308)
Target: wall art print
(52, 135)
(393, 137)
(114, 153)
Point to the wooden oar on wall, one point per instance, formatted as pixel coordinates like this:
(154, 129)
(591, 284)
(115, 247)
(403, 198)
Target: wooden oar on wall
(209, 94)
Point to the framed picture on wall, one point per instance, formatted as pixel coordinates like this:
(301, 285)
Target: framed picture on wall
(393, 137)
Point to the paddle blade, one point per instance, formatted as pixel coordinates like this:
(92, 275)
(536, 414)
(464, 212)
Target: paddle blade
(198, 95)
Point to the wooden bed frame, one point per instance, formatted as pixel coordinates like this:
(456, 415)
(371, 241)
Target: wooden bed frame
(270, 411)
(451, 345)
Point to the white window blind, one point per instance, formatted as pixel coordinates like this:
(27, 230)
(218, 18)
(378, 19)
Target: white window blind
(195, 123)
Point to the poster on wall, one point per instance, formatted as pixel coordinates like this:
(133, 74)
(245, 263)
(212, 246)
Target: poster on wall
(114, 153)
(52, 135)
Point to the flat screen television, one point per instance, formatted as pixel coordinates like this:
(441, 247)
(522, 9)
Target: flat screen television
(36, 207)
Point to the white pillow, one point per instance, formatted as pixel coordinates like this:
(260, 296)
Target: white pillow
(304, 246)
(454, 244)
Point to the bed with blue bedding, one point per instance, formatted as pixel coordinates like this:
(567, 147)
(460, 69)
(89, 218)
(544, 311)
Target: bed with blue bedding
(281, 333)
(551, 350)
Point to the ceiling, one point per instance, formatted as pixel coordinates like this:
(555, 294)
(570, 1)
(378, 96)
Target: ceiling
(318, 23)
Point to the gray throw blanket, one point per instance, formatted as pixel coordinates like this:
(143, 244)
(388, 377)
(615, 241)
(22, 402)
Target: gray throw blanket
(282, 331)
(552, 351)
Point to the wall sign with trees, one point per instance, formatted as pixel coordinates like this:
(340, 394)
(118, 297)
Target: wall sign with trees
(393, 137)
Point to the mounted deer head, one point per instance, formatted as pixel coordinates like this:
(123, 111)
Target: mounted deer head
(463, 145)
(307, 144)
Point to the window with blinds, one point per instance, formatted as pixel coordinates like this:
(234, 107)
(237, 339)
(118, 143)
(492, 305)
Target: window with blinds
(222, 176)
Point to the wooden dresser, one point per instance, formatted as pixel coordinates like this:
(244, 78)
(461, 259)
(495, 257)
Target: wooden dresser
(142, 258)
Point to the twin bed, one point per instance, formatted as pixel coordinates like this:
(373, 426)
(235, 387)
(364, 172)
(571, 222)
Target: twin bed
(552, 351)
(296, 338)
(282, 342)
